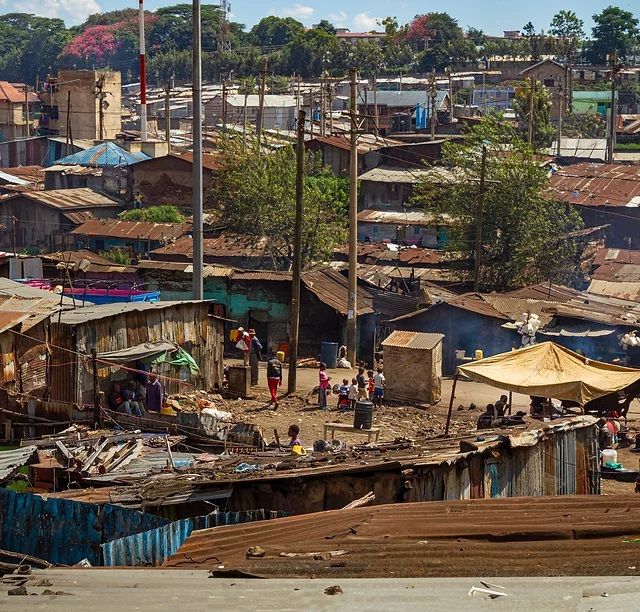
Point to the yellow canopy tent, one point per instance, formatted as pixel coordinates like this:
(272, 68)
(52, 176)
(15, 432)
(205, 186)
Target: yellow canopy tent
(548, 370)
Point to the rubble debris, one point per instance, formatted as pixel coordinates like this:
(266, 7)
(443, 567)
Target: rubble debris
(369, 498)
(333, 590)
(256, 552)
(21, 590)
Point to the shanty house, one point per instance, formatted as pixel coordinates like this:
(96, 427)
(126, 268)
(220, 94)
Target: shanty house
(405, 111)
(279, 111)
(105, 167)
(603, 194)
(42, 220)
(169, 180)
(556, 78)
(189, 324)
(413, 367)
(13, 120)
(137, 237)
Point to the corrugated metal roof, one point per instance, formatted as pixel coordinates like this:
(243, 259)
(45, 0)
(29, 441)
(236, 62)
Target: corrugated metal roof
(403, 99)
(76, 170)
(623, 290)
(503, 536)
(9, 93)
(605, 255)
(592, 184)
(144, 230)
(226, 245)
(208, 271)
(11, 288)
(402, 217)
(79, 216)
(261, 275)
(393, 174)
(366, 142)
(69, 199)
(545, 291)
(95, 313)
(12, 460)
(13, 180)
(618, 272)
(105, 154)
(331, 288)
(270, 100)
(413, 340)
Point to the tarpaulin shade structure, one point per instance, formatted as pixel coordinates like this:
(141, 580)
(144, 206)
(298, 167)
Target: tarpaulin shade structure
(140, 352)
(548, 370)
(551, 370)
(152, 352)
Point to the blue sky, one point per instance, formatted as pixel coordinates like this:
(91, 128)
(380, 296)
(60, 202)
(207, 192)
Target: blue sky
(492, 16)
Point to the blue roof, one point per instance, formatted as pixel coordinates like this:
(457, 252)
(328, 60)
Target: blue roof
(102, 155)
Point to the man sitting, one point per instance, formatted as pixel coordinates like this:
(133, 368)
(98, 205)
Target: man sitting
(118, 401)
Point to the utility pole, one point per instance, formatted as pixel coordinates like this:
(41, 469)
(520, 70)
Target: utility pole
(69, 132)
(167, 114)
(478, 257)
(323, 128)
(100, 96)
(143, 70)
(297, 256)
(244, 110)
(611, 139)
(259, 119)
(352, 307)
(329, 97)
(198, 289)
(560, 114)
(432, 85)
(376, 118)
(26, 110)
(530, 130)
(224, 107)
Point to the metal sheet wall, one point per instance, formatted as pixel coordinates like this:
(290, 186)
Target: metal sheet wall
(155, 546)
(65, 531)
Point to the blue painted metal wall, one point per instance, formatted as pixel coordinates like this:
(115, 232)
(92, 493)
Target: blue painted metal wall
(155, 546)
(65, 531)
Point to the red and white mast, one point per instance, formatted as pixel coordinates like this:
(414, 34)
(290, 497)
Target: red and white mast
(143, 77)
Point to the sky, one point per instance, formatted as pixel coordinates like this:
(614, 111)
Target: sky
(491, 16)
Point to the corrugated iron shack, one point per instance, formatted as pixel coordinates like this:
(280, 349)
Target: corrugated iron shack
(189, 324)
(413, 366)
(558, 458)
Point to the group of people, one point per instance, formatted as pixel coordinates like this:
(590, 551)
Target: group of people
(370, 388)
(144, 393)
(247, 342)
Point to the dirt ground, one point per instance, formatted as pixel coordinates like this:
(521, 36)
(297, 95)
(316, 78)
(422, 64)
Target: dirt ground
(393, 420)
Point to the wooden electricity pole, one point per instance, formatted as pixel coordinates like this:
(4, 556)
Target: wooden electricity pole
(531, 99)
(224, 107)
(323, 128)
(297, 256)
(376, 118)
(263, 86)
(352, 307)
(167, 114)
(478, 255)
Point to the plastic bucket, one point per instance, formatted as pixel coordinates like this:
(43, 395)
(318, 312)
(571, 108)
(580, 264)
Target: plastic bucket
(329, 353)
(363, 417)
(609, 455)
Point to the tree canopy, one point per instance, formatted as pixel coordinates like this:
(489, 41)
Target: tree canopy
(615, 31)
(525, 237)
(257, 195)
(543, 131)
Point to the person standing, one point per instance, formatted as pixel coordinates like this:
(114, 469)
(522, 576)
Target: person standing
(274, 376)
(155, 394)
(378, 390)
(255, 355)
(243, 343)
(324, 379)
(362, 385)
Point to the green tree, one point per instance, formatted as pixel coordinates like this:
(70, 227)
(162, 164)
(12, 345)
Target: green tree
(584, 125)
(476, 36)
(435, 36)
(543, 131)
(172, 28)
(257, 191)
(165, 213)
(569, 28)
(327, 26)
(616, 31)
(525, 236)
(274, 31)
(310, 53)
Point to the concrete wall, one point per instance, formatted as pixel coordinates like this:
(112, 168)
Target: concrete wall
(84, 104)
(13, 123)
(410, 234)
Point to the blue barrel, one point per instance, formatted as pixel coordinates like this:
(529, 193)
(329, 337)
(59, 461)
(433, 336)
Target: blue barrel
(329, 353)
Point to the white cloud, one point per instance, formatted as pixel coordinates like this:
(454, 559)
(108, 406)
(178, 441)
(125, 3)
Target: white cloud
(72, 11)
(338, 19)
(363, 22)
(299, 11)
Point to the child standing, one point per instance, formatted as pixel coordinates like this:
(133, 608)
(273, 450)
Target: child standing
(370, 384)
(353, 393)
(379, 385)
(324, 379)
(362, 385)
(343, 395)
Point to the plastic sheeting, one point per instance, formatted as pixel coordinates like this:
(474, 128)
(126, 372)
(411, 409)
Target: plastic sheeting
(551, 370)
